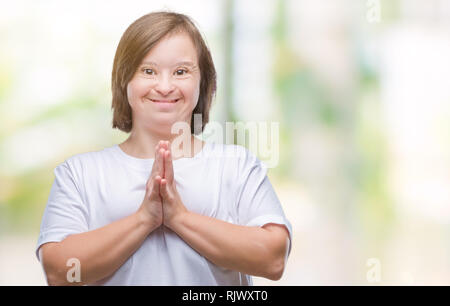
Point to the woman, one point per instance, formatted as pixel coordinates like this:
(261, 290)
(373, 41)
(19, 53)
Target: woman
(147, 211)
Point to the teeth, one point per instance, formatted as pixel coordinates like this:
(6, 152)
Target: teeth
(171, 101)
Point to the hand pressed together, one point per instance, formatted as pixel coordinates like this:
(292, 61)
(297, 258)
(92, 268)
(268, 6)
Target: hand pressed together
(162, 203)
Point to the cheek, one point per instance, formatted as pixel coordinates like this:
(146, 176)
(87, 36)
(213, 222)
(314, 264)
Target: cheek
(135, 90)
(192, 93)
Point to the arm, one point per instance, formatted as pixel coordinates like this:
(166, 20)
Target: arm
(100, 252)
(251, 250)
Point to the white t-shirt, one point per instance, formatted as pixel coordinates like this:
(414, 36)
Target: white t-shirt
(222, 181)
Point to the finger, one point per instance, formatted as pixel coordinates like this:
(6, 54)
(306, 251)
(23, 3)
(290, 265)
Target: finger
(161, 163)
(168, 166)
(163, 189)
(156, 188)
(162, 144)
(155, 169)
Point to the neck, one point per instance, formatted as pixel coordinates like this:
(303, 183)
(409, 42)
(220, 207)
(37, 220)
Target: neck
(142, 144)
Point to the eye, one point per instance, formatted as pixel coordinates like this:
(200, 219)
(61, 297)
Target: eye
(148, 71)
(180, 71)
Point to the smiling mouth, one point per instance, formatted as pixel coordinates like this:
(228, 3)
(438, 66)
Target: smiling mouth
(164, 101)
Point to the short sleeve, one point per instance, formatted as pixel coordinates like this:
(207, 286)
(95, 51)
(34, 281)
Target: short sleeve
(257, 202)
(65, 213)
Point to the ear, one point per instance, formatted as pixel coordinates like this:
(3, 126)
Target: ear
(126, 95)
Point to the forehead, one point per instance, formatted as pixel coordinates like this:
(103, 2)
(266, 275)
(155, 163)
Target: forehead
(172, 49)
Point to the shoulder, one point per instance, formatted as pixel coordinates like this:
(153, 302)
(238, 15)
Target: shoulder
(85, 161)
(230, 152)
(233, 156)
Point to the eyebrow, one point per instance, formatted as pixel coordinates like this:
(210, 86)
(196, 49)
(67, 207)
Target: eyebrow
(186, 63)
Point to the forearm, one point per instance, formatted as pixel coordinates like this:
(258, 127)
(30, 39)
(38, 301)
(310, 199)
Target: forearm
(236, 247)
(100, 252)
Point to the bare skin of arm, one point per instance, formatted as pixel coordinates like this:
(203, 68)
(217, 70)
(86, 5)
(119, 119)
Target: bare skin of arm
(259, 251)
(102, 251)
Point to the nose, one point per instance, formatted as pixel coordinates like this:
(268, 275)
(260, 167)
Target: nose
(164, 85)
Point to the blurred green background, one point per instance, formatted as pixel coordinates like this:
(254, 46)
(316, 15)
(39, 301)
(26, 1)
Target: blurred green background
(360, 90)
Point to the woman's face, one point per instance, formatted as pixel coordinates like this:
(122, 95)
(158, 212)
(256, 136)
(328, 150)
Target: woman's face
(165, 88)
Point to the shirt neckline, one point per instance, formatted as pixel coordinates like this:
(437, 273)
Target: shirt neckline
(146, 163)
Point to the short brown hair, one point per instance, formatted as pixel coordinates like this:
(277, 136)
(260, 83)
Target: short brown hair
(138, 39)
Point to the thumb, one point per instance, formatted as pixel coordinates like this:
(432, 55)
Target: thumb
(163, 188)
(154, 194)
